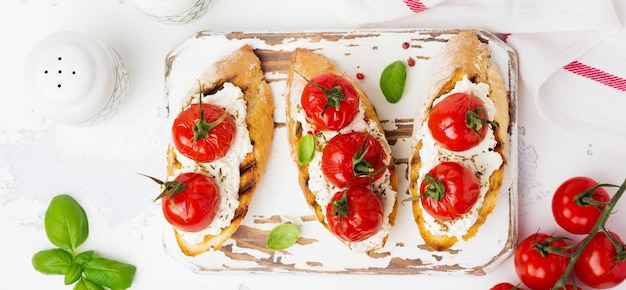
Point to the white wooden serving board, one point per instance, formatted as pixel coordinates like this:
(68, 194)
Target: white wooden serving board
(279, 199)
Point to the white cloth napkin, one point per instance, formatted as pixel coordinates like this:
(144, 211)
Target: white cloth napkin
(358, 12)
(581, 89)
(570, 51)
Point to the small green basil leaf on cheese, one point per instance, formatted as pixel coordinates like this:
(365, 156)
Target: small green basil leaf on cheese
(283, 236)
(66, 222)
(393, 80)
(306, 149)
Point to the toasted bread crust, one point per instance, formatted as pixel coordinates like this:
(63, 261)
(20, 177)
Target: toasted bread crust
(310, 64)
(464, 54)
(243, 69)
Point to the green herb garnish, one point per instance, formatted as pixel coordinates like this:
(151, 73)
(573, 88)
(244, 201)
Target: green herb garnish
(283, 236)
(67, 228)
(393, 80)
(306, 149)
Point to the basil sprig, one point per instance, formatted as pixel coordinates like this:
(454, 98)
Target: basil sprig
(393, 80)
(67, 227)
(283, 236)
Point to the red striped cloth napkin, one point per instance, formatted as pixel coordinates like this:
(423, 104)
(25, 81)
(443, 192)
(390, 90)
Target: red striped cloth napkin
(577, 79)
(571, 52)
(582, 91)
(358, 12)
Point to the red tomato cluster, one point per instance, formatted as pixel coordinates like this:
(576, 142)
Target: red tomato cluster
(458, 123)
(600, 258)
(350, 161)
(203, 133)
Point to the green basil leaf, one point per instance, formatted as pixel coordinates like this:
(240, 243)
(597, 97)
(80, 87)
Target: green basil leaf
(283, 236)
(54, 261)
(66, 222)
(85, 284)
(73, 273)
(393, 80)
(109, 273)
(83, 257)
(80, 285)
(306, 149)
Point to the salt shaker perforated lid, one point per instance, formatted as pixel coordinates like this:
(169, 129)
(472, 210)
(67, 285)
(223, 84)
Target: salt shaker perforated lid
(76, 79)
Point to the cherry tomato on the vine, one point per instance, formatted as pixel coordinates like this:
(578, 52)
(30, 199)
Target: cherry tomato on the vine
(203, 140)
(575, 211)
(354, 158)
(355, 214)
(190, 202)
(449, 190)
(600, 265)
(458, 122)
(535, 266)
(505, 286)
(330, 102)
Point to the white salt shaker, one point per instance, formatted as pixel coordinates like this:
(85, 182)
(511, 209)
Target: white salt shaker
(74, 78)
(173, 11)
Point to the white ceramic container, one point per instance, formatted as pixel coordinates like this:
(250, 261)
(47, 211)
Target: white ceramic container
(74, 78)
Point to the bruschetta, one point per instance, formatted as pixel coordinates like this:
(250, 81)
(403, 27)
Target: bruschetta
(232, 94)
(346, 170)
(459, 143)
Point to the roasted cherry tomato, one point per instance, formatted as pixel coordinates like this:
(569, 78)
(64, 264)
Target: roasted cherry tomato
(535, 266)
(354, 158)
(602, 264)
(190, 202)
(449, 190)
(203, 135)
(330, 102)
(458, 122)
(355, 214)
(575, 210)
(505, 286)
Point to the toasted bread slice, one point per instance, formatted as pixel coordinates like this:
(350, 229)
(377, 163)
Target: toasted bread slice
(464, 56)
(242, 68)
(308, 64)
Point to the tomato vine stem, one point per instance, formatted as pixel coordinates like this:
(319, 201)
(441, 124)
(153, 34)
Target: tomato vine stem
(599, 226)
(474, 120)
(360, 166)
(202, 128)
